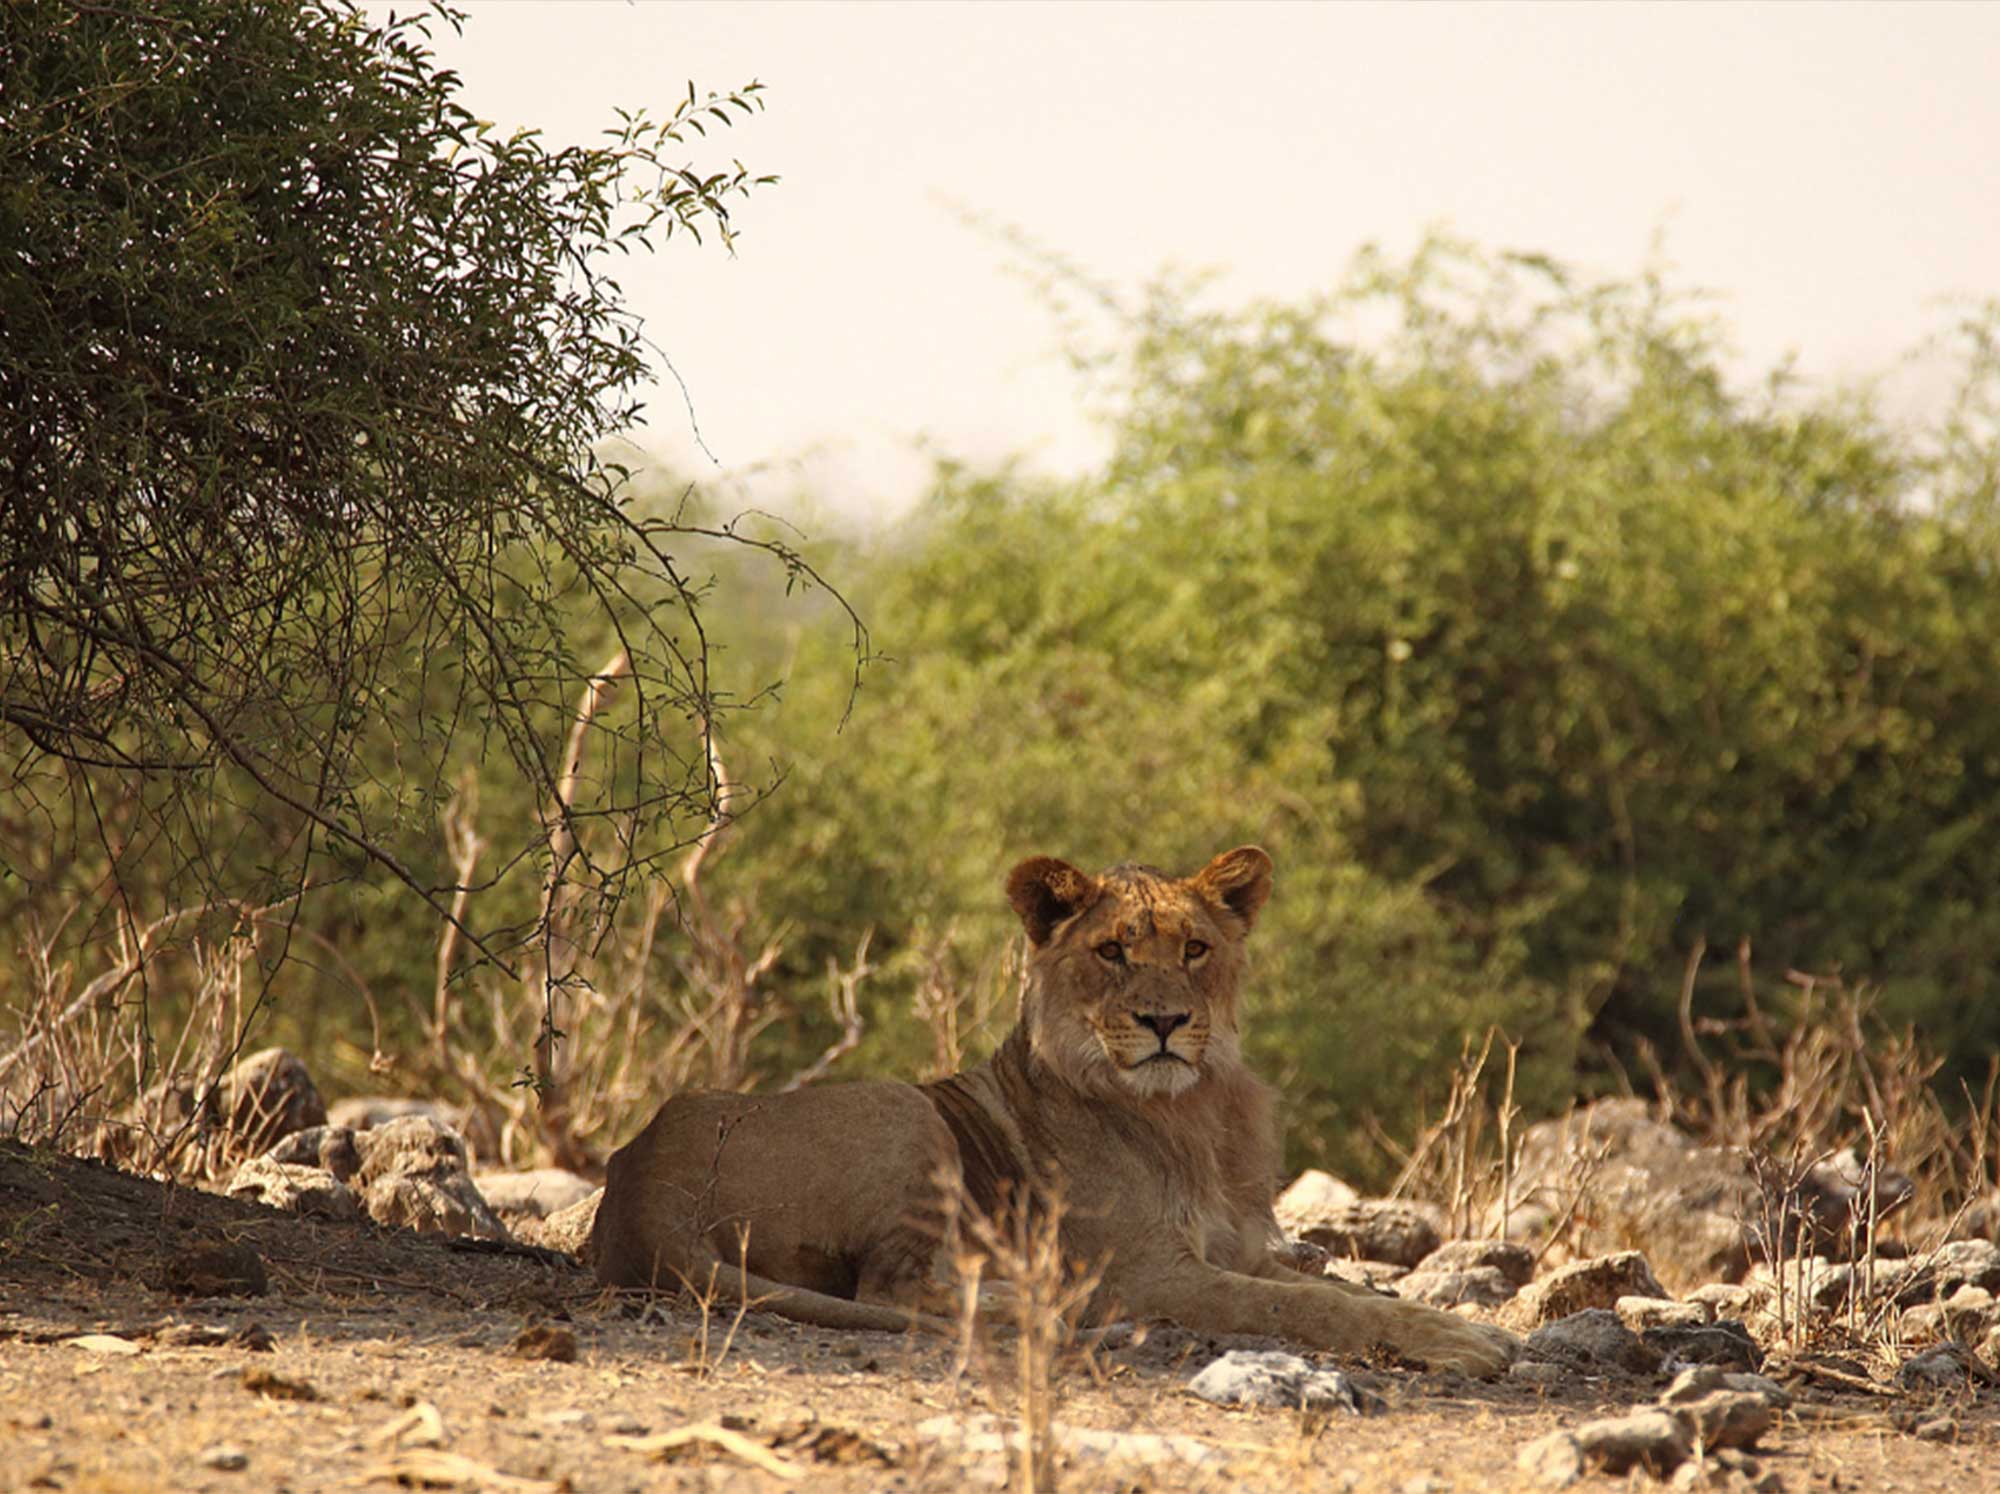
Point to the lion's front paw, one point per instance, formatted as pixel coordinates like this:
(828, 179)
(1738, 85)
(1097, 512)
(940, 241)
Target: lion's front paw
(1444, 1340)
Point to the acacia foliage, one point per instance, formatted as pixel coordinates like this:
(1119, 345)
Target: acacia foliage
(304, 378)
(1534, 644)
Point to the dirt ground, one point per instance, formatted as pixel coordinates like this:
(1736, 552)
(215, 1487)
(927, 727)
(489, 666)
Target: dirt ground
(376, 1358)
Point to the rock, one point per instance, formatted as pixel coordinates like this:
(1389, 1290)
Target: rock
(1728, 1418)
(1641, 1313)
(568, 1230)
(1823, 1284)
(216, 1271)
(1937, 1429)
(1309, 1196)
(1658, 1441)
(225, 1458)
(1946, 1366)
(1725, 1344)
(1245, 1377)
(1981, 1220)
(328, 1147)
(1479, 1286)
(369, 1112)
(1583, 1284)
(297, 1189)
(366, 1112)
(1516, 1263)
(1726, 1468)
(276, 1387)
(1593, 1339)
(516, 1196)
(264, 1098)
(1774, 1394)
(1989, 1348)
(268, 1096)
(1376, 1229)
(1638, 1179)
(1692, 1384)
(415, 1174)
(1948, 1269)
(1699, 1211)
(109, 1344)
(1698, 1387)
(1556, 1460)
(1727, 1299)
(1968, 1317)
(549, 1341)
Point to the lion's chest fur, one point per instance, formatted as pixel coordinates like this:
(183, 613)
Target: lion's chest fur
(1189, 1174)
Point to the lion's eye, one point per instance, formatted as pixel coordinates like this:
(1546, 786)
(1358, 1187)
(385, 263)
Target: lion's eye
(1195, 950)
(1111, 950)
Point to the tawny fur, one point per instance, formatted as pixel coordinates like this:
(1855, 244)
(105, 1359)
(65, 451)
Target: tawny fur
(1121, 1089)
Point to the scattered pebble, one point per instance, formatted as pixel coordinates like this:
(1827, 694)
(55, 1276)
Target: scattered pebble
(1641, 1313)
(1726, 1343)
(276, 1387)
(1244, 1377)
(1728, 1418)
(225, 1458)
(104, 1343)
(1655, 1440)
(1595, 1340)
(1947, 1366)
(1556, 1459)
(1594, 1283)
(546, 1341)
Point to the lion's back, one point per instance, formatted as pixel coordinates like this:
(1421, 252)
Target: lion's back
(816, 1176)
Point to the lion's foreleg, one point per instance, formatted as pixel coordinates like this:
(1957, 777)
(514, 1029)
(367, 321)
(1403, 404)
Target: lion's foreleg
(1322, 1313)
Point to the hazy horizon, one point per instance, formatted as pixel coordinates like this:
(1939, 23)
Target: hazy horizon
(1827, 170)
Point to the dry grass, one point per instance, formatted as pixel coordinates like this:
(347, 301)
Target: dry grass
(1466, 1158)
(1012, 1268)
(1805, 1079)
(91, 1070)
(1817, 1071)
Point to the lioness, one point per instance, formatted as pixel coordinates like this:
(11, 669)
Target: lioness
(1121, 1085)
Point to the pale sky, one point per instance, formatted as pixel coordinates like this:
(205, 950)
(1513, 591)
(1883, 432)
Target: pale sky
(1833, 171)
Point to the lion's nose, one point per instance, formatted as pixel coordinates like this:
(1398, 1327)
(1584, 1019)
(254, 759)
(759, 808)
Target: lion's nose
(1163, 1023)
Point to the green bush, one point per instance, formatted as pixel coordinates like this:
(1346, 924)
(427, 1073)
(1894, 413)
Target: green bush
(1531, 646)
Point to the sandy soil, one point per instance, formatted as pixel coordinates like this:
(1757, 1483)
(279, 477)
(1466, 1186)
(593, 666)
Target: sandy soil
(382, 1359)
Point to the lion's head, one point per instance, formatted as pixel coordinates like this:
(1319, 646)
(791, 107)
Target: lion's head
(1135, 973)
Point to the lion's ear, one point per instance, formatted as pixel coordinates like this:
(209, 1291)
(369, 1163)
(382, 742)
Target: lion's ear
(1238, 880)
(1046, 891)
